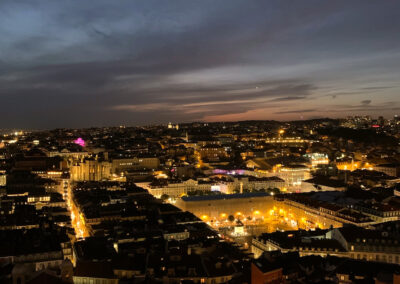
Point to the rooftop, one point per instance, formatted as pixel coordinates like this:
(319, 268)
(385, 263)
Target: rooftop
(225, 196)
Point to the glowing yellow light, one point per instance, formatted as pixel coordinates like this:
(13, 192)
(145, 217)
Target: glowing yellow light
(281, 131)
(223, 215)
(238, 213)
(256, 212)
(204, 217)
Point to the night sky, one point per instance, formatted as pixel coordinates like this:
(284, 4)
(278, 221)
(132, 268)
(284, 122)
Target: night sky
(98, 63)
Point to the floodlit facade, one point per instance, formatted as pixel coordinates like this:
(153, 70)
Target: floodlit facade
(90, 170)
(293, 175)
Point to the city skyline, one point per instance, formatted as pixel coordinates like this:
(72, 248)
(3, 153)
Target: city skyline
(213, 141)
(258, 202)
(79, 65)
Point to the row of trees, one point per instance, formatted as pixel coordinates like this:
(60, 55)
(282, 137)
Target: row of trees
(267, 190)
